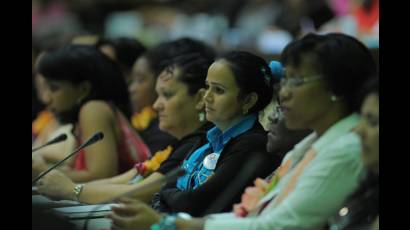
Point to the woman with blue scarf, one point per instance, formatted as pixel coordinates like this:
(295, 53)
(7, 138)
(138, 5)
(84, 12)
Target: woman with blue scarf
(239, 85)
(324, 75)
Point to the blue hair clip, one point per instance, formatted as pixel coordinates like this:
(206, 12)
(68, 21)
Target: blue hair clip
(277, 69)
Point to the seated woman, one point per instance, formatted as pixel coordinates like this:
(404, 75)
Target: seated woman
(361, 210)
(324, 74)
(180, 89)
(281, 139)
(87, 89)
(124, 50)
(144, 74)
(46, 126)
(44, 122)
(239, 86)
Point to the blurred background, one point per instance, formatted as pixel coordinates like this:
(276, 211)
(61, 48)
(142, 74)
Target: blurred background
(260, 26)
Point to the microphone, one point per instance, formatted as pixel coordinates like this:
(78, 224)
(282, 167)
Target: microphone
(96, 137)
(167, 178)
(59, 138)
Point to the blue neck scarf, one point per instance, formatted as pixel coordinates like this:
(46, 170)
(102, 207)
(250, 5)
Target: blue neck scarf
(201, 163)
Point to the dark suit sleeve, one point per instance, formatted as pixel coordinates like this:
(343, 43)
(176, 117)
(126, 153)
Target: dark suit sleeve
(175, 159)
(155, 139)
(232, 160)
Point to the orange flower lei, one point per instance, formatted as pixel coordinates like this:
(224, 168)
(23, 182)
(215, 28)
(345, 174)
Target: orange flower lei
(43, 118)
(140, 121)
(151, 165)
(253, 194)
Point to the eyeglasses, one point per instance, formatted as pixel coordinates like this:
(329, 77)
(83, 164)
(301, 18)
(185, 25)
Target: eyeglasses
(297, 81)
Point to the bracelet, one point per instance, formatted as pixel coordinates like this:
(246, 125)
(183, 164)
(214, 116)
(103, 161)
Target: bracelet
(77, 191)
(167, 222)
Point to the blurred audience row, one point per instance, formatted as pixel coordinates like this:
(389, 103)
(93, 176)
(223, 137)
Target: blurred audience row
(264, 145)
(262, 26)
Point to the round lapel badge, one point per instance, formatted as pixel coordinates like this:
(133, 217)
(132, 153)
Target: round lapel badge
(210, 161)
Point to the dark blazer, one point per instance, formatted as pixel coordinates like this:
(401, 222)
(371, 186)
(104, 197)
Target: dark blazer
(155, 138)
(183, 147)
(237, 153)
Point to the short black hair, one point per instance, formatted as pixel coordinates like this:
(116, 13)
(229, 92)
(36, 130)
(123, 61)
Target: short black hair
(160, 56)
(79, 63)
(194, 68)
(252, 74)
(344, 62)
(127, 49)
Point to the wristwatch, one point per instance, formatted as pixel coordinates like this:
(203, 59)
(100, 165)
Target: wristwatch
(167, 222)
(77, 191)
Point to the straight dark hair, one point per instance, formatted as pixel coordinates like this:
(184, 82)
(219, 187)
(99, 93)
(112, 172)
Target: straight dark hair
(252, 74)
(84, 63)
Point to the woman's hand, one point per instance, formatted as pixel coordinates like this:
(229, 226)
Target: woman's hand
(132, 214)
(250, 198)
(38, 164)
(56, 185)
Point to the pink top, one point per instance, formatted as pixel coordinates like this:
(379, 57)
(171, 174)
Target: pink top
(131, 149)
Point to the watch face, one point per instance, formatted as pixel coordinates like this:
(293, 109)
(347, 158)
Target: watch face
(77, 190)
(210, 161)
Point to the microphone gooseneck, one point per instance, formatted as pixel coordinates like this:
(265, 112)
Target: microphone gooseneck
(96, 137)
(59, 138)
(168, 178)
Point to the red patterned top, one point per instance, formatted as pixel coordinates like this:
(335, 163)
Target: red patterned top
(131, 149)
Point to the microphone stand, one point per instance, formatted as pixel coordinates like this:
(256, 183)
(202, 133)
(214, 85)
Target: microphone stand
(59, 138)
(96, 137)
(172, 175)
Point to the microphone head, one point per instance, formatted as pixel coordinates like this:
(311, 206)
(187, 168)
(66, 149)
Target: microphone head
(57, 139)
(98, 136)
(61, 137)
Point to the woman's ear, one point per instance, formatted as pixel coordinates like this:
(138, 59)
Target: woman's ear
(199, 99)
(249, 101)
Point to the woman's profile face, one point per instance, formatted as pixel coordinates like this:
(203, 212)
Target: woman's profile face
(62, 96)
(222, 104)
(368, 129)
(41, 88)
(175, 106)
(304, 96)
(142, 85)
(280, 137)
